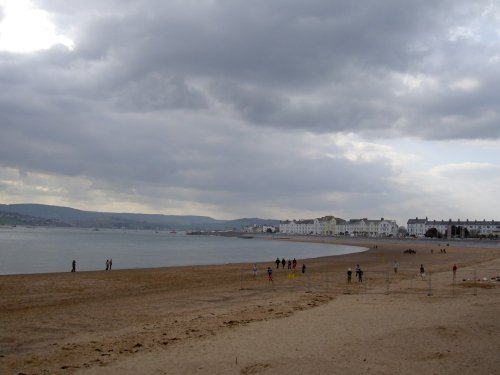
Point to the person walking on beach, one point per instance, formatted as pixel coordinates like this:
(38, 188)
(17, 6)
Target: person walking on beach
(454, 270)
(270, 274)
(294, 263)
(110, 263)
(277, 262)
(349, 275)
(303, 268)
(73, 266)
(357, 271)
(360, 275)
(422, 271)
(289, 264)
(283, 262)
(395, 265)
(254, 269)
(107, 264)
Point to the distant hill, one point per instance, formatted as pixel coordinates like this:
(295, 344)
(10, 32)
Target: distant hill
(40, 214)
(14, 218)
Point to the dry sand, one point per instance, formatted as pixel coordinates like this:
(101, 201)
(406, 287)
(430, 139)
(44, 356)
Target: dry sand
(220, 320)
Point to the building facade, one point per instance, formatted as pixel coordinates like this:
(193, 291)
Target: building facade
(454, 228)
(303, 227)
(259, 229)
(334, 226)
(369, 228)
(416, 227)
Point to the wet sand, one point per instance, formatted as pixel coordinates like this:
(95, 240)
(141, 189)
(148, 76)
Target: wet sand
(219, 319)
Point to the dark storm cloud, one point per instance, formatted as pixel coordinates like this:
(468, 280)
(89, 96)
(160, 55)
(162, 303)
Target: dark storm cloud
(215, 98)
(261, 59)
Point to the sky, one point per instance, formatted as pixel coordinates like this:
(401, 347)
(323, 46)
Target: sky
(267, 108)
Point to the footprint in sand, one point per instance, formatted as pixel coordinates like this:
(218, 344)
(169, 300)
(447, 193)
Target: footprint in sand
(255, 368)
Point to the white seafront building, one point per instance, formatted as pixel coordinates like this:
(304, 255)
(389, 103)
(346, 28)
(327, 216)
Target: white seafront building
(334, 226)
(259, 229)
(419, 227)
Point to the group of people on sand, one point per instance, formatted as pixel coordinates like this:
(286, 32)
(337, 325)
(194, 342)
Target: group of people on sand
(442, 251)
(283, 262)
(292, 266)
(422, 271)
(109, 264)
(395, 265)
(358, 272)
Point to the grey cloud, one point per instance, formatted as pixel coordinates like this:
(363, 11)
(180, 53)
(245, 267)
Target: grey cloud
(208, 101)
(258, 58)
(158, 92)
(227, 162)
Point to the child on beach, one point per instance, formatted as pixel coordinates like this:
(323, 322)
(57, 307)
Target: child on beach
(270, 274)
(360, 275)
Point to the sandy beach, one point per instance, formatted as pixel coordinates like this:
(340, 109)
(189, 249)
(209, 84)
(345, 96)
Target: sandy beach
(222, 320)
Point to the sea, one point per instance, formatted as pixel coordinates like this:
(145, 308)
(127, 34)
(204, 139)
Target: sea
(27, 250)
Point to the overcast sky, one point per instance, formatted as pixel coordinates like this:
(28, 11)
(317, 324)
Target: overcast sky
(277, 109)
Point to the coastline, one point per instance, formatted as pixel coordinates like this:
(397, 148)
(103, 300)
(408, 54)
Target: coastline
(50, 253)
(105, 322)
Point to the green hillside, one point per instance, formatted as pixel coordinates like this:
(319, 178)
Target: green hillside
(39, 214)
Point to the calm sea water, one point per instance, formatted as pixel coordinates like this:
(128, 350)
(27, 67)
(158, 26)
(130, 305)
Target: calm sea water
(38, 250)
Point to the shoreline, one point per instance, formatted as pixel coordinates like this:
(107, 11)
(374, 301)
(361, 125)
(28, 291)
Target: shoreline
(207, 263)
(100, 322)
(361, 242)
